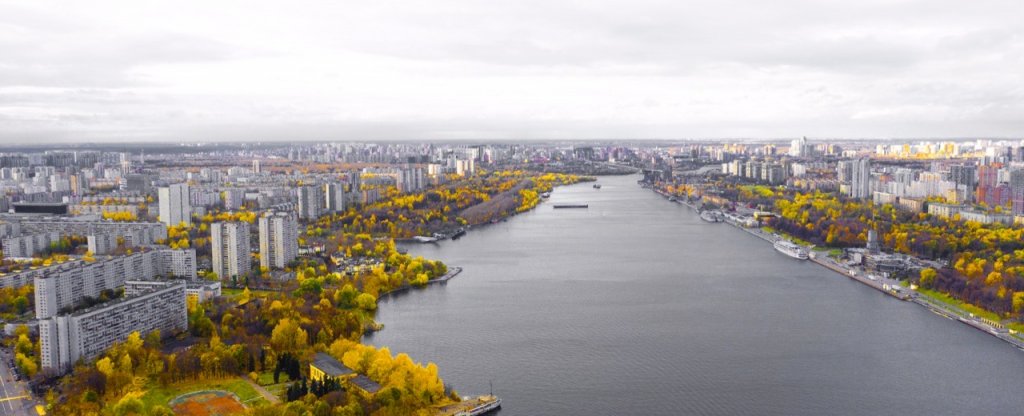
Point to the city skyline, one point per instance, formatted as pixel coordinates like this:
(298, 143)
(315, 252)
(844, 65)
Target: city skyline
(509, 71)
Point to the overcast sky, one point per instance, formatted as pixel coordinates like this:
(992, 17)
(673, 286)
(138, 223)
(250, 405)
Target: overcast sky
(522, 69)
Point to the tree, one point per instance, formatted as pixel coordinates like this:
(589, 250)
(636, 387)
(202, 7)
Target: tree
(927, 278)
(129, 405)
(288, 336)
(105, 366)
(994, 278)
(1018, 301)
(366, 301)
(25, 364)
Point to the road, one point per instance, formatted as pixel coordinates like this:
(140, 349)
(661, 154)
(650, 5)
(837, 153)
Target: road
(14, 395)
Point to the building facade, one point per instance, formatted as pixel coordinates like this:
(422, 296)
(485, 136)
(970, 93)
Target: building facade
(175, 205)
(279, 234)
(86, 334)
(229, 243)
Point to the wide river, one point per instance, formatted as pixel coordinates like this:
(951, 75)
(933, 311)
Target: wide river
(637, 307)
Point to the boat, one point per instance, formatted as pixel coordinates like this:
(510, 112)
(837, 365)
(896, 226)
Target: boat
(424, 239)
(792, 250)
(597, 186)
(711, 216)
(481, 405)
(671, 199)
(571, 206)
(458, 233)
(545, 195)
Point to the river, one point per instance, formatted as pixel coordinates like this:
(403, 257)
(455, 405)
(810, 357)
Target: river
(636, 306)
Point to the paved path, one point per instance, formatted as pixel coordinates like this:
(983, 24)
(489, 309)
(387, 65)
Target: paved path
(271, 397)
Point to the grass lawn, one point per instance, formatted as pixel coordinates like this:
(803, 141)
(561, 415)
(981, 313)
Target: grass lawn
(266, 380)
(948, 300)
(158, 395)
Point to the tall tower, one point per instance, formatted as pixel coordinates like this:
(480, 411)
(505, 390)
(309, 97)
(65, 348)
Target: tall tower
(229, 243)
(174, 204)
(861, 181)
(311, 201)
(279, 239)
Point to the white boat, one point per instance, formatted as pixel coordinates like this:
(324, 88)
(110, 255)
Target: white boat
(424, 239)
(711, 216)
(792, 250)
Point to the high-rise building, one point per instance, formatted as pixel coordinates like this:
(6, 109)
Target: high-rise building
(233, 199)
(311, 202)
(334, 197)
(175, 206)
(279, 239)
(229, 244)
(857, 173)
(67, 285)
(256, 168)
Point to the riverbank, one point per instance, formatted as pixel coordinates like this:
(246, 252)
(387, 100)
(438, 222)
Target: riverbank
(887, 286)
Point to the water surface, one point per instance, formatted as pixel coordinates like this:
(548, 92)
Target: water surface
(636, 306)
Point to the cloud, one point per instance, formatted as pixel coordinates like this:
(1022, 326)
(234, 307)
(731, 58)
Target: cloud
(508, 69)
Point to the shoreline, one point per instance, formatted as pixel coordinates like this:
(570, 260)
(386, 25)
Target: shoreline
(914, 297)
(454, 271)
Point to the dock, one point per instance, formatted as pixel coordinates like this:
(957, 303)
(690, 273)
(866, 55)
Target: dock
(471, 406)
(570, 206)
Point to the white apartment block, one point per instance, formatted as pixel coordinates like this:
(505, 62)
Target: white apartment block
(101, 243)
(134, 233)
(68, 284)
(311, 202)
(229, 243)
(175, 206)
(28, 245)
(334, 197)
(86, 334)
(279, 234)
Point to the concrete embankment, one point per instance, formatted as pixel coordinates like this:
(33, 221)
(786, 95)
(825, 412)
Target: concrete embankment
(902, 294)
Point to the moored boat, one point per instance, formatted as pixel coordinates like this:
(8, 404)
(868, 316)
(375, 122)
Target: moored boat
(711, 216)
(480, 405)
(792, 250)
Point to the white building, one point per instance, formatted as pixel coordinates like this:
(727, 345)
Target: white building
(279, 239)
(86, 334)
(234, 199)
(175, 206)
(229, 243)
(311, 202)
(66, 285)
(334, 197)
(26, 245)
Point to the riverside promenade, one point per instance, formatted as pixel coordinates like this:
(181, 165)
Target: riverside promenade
(890, 287)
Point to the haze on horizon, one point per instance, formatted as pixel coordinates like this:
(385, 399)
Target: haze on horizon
(443, 70)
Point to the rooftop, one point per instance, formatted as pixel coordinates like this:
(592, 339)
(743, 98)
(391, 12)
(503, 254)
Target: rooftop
(364, 383)
(330, 366)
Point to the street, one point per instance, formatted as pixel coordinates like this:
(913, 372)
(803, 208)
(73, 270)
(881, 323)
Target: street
(14, 395)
